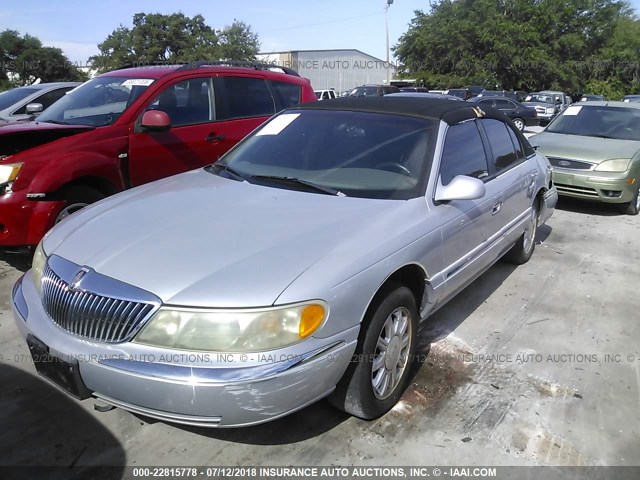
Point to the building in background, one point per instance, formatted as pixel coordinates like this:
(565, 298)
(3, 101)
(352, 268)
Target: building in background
(334, 69)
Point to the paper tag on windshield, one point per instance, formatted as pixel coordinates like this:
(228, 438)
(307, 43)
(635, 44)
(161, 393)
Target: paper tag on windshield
(137, 82)
(278, 124)
(572, 110)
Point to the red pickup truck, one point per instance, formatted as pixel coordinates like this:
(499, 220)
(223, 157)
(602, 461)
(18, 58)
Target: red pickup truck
(126, 128)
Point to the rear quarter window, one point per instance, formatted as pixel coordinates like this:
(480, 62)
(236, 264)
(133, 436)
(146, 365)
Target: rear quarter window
(287, 94)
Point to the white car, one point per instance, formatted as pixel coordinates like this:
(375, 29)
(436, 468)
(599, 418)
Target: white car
(325, 94)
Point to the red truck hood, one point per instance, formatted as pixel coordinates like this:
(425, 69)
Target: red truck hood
(17, 137)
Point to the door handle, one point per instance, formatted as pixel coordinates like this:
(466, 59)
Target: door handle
(213, 138)
(496, 208)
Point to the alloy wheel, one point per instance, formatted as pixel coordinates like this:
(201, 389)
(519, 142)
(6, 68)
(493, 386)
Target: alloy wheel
(391, 355)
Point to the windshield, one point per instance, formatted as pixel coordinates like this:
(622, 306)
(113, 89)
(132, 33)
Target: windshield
(97, 102)
(535, 97)
(10, 97)
(608, 122)
(367, 155)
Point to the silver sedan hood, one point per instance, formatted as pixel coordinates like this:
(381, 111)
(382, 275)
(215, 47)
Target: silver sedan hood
(201, 240)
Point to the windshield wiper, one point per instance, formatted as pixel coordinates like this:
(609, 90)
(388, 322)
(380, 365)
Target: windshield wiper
(226, 168)
(55, 122)
(300, 182)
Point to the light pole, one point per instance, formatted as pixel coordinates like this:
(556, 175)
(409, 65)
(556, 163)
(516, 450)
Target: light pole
(386, 22)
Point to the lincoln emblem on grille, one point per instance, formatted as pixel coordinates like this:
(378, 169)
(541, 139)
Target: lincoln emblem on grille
(75, 283)
(564, 163)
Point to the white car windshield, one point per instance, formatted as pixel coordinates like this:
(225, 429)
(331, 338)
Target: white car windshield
(360, 154)
(97, 102)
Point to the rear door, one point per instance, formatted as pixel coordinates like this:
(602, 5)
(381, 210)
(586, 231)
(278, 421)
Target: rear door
(510, 171)
(505, 106)
(187, 144)
(243, 103)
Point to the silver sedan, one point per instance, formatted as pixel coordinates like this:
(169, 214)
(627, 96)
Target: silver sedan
(297, 267)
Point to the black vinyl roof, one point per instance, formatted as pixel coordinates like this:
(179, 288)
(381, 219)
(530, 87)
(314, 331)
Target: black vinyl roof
(433, 108)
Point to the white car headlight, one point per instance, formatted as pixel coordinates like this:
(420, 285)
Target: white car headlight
(551, 110)
(242, 331)
(37, 266)
(616, 165)
(9, 172)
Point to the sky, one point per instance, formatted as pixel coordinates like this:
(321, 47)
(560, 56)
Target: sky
(77, 26)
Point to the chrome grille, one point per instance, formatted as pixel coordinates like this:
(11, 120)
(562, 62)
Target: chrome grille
(90, 315)
(571, 164)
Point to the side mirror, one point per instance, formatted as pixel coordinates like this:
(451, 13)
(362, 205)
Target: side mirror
(155, 121)
(34, 108)
(461, 188)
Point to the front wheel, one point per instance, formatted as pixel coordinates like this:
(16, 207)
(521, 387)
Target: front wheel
(521, 252)
(633, 207)
(77, 197)
(519, 124)
(380, 369)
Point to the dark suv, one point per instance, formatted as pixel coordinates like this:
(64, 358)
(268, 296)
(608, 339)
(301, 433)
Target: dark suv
(126, 128)
(373, 90)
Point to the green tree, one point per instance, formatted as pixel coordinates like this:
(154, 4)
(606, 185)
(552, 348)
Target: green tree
(163, 39)
(238, 42)
(512, 44)
(23, 60)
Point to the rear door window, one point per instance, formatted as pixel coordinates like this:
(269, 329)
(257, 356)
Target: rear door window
(243, 97)
(503, 150)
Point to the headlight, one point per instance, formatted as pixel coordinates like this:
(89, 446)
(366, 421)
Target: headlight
(9, 172)
(233, 330)
(37, 266)
(617, 165)
(550, 110)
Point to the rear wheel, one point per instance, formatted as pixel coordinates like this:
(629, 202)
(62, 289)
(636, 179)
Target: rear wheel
(380, 368)
(521, 252)
(77, 197)
(519, 123)
(633, 207)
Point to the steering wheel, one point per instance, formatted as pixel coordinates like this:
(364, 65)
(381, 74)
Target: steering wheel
(397, 166)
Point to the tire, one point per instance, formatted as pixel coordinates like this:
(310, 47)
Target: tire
(77, 197)
(361, 392)
(633, 207)
(519, 123)
(521, 252)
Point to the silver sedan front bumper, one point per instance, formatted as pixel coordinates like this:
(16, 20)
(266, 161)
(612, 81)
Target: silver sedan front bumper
(193, 388)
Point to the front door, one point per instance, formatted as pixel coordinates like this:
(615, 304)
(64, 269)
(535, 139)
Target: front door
(465, 234)
(187, 145)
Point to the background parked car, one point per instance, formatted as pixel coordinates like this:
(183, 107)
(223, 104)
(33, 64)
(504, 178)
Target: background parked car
(325, 94)
(631, 98)
(126, 128)
(462, 93)
(373, 90)
(518, 96)
(319, 315)
(588, 97)
(414, 89)
(475, 90)
(544, 106)
(595, 152)
(521, 115)
(14, 102)
(425, 95)
(560, 99)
